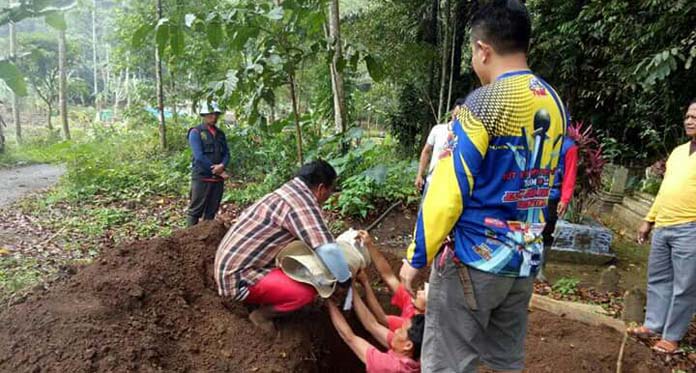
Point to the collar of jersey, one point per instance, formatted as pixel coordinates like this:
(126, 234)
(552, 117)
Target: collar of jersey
(514, 73)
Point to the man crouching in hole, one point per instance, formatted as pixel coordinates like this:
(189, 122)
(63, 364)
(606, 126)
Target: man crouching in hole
(245, 268)
(403, 345)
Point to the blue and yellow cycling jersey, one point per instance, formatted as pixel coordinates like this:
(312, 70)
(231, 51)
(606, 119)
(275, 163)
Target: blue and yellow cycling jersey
(489, 191)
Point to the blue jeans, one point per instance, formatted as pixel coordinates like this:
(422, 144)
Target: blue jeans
(672, 281)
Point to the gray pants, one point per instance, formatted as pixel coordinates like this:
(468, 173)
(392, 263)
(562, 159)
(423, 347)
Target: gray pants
(456, 337)
(205, 201)
(672, 281)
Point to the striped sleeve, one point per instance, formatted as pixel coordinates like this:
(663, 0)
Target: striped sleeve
(450, 188)
(304, 219)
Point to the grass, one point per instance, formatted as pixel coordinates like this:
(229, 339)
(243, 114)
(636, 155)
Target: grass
(17, 273)
(118, 186)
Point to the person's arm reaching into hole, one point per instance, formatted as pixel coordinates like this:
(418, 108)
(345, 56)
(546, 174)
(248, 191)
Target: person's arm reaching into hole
(371, 299)
(381, 263)
(368, 320)
(357, 344)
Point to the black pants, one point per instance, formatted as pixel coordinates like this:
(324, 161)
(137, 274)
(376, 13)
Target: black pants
(205, 201)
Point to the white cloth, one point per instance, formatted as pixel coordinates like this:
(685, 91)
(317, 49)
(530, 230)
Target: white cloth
(438, 140)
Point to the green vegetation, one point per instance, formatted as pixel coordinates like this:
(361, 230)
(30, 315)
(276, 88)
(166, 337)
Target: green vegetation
(566, 286)
(17, 274)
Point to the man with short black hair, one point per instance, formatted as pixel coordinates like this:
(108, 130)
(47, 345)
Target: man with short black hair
(488, 196)
(210, 158)
(244, 263)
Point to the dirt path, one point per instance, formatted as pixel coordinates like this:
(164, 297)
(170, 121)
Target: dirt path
(17, 182)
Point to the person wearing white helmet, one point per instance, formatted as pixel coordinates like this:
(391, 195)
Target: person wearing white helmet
(210, 158)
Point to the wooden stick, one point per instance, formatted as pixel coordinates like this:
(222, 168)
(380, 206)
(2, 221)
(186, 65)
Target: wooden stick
(576, 311)
(619, 362)
(381, 217)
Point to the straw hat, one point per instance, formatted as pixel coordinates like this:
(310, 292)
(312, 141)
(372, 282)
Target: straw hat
(324, 267)
(302, 264)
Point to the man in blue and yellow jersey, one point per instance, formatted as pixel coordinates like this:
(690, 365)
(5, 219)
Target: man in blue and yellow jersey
(488, 195)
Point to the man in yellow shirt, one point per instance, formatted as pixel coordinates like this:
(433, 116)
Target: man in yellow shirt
(672, 262)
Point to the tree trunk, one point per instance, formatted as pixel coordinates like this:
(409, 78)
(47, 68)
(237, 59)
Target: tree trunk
(107, 86)
(50, 111)
(15, 98)
(444, 43)
(95, 72)
(160, 90)
(431, 79)
(118, 91)
(336, 75)
(462, 12)
(451, 69)
(174, 98)
(298, 129)
(2, 135)
(63, 85)
(127, 84)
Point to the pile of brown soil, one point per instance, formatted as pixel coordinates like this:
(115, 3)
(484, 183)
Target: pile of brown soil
(152, 306)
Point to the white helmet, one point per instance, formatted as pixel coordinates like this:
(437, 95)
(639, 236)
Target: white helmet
(209, 109)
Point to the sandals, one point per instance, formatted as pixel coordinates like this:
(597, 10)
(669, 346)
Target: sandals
(667, 347)
(641, 331)
(662, 346)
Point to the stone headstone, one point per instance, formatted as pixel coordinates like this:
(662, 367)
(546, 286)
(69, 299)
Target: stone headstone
(609, 280)
(618, 182)
(582, 243)
(634, 306)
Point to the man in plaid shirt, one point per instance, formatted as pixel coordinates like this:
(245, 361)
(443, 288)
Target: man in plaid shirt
(244, 264)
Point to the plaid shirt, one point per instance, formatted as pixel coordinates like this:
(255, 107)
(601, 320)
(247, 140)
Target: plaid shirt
(248, 251)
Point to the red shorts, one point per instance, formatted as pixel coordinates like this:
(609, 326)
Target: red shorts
(281, 292)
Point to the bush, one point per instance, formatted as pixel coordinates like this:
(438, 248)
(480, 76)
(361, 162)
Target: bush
(370, 175)
(376, 186)
(566, 286)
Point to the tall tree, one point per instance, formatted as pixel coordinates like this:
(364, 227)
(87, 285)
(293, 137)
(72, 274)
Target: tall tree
(160, 90)
(2, 134)
(63, 83)
(444, 47)
(339, 102)
(15, 98)
(40, 66)
(95, 72)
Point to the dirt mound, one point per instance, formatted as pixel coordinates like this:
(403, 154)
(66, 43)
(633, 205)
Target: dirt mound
(152, 306)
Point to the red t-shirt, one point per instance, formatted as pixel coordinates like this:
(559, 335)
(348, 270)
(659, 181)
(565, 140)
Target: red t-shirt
(389, 362)
(401, 299)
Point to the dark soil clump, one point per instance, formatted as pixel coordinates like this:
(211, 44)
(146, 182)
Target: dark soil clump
(152, 306)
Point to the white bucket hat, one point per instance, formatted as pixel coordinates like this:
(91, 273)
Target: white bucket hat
(211, 108)
(302, 264)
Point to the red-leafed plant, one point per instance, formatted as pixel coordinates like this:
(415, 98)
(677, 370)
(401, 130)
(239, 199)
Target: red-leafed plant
(590, 165)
